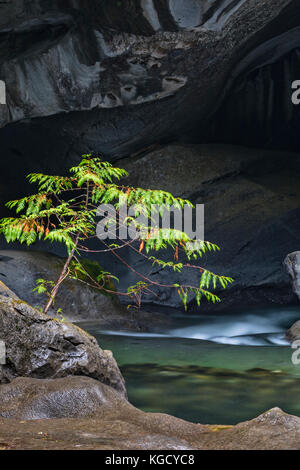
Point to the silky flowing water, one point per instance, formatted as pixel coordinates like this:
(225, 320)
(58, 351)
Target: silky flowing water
(210, 369)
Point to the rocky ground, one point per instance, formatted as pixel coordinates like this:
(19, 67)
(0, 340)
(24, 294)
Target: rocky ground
(123, 427)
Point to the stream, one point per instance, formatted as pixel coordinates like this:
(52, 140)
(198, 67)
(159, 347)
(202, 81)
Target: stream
(212, 369)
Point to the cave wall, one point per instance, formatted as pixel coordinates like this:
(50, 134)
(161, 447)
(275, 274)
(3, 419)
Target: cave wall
(116, 77)
(121, 77)
(258, 109)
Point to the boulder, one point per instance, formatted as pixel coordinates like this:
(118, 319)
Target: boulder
(68, 397)
(41, 347)
(6, 292)
(292, 265)
(293, 333)
(272, 430)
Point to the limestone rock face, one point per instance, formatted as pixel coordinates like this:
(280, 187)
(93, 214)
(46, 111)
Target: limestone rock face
(40, 347)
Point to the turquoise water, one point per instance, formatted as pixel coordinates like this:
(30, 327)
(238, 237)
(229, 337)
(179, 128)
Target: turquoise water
(210, 369)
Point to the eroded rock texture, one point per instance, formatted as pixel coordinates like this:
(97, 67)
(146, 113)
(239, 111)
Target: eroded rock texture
(38, 346)
(80, 57)
(68, 397)
(117, 76)
(124, 427)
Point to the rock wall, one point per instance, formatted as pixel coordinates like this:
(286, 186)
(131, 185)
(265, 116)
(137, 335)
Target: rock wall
(252, 211)
(117, 77)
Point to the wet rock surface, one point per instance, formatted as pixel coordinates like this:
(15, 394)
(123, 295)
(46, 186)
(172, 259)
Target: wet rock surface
(131, 429)
(40, 347)
(292, 265)
(293, 333)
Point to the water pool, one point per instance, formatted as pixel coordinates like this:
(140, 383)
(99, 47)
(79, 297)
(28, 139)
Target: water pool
(210, 369)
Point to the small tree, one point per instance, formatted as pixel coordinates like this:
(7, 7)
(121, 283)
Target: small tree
(64, 210)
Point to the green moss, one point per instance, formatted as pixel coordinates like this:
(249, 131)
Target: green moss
(94, 270)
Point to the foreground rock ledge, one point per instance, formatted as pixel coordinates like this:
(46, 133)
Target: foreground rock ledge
(82, 413)
(38, 346)
(127, 428)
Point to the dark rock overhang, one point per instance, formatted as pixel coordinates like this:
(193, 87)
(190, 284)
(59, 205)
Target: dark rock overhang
(84, 77)
(120, 75)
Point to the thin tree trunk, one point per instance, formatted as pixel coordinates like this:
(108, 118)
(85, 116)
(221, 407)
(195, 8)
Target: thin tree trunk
(62, 275)
(60, 279)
